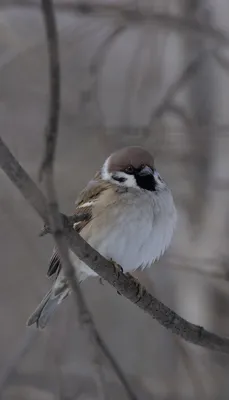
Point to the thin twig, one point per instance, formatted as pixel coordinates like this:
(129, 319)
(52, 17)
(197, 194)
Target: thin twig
(129, 288)
(99, 347)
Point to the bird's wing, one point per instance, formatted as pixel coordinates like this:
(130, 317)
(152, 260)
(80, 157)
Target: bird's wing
(84, 205)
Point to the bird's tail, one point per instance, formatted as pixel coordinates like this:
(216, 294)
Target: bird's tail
(45, 309)
(54, 297)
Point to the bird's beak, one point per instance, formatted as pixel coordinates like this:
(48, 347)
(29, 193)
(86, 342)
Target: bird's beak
(146, 171)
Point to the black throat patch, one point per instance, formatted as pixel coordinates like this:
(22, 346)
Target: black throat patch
(146, 182)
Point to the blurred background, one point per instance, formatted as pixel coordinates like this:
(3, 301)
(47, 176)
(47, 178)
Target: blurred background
(146, 72)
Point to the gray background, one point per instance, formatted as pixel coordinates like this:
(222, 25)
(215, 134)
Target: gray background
(100, 112)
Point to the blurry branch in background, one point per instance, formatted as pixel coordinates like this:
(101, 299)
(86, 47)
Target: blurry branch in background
(97, 61)
(166, 103)
(222, 60)
(187, 360)
(191, 369)
(131, 14)
(210, 268)
(7, 373)
(55, 220)
(201, 97)
(180, 112)
(132, 78)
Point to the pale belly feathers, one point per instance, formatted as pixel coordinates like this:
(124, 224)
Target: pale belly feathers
(134, 233)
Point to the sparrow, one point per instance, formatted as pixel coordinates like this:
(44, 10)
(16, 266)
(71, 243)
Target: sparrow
(131, 220)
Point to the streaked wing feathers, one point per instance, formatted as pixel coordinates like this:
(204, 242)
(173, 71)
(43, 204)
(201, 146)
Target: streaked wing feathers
(54, 265)
(84, 204)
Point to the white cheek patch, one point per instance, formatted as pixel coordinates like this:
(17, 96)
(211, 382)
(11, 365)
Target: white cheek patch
(131, 181)
(128, 180)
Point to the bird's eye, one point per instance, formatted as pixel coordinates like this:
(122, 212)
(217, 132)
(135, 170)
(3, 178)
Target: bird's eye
(142, 166)
(129, 169)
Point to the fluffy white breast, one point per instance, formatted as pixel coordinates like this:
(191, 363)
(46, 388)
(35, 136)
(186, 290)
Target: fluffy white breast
(135, 231)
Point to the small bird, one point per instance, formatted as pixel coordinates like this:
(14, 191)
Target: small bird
(131, 220)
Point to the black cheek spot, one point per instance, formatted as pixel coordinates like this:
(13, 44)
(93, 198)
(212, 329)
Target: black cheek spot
(120, 179)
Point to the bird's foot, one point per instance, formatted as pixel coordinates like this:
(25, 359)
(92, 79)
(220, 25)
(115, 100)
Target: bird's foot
(140, 288)
(117, 270)
(117, 267)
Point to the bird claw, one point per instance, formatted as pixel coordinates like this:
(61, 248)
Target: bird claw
(141, 289)
(117, 267)
(117, 270)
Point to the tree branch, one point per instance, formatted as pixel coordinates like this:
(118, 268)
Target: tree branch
(128, 287)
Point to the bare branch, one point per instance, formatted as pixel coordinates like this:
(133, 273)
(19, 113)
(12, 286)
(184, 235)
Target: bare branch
(130, 288)
(54, 78)
(99, 346)
(23, 182)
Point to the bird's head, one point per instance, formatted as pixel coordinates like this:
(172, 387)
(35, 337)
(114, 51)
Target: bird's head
(133, 167)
